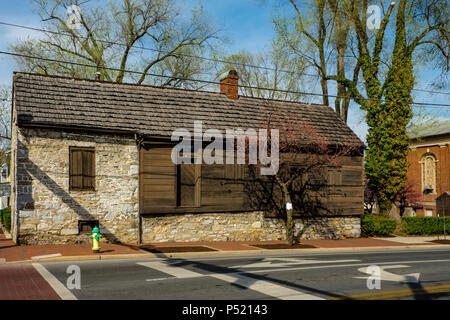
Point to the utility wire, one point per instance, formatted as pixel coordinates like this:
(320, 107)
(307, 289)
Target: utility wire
(159, 51)
(432, 91)
(187, 55)
(212, 82)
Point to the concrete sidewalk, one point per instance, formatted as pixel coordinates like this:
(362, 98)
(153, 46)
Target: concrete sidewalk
(9, 252)
(416, 239)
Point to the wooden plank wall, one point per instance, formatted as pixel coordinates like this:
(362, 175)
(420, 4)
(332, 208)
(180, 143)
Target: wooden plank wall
(168, 188)
(158, 179)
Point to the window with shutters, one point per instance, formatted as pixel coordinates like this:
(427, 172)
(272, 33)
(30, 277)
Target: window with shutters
(82, 168)
(164, 184)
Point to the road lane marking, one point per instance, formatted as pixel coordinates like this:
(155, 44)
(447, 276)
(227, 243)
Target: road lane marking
(173, 271)
(59, 288)
(190, 274)
(395, 294)
(269, 262)
(389, 276)
(160, 279)
(336, 266)
(418, 292)
(346, 265)
(262, 286)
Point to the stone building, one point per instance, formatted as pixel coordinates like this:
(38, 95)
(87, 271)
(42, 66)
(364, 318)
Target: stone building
(429, 159)
(88, 153)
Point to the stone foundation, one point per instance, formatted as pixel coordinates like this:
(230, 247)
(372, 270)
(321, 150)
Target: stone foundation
(247, 226)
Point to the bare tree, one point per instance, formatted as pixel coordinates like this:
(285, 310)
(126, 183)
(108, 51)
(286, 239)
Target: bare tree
(301, 184)
(274, 70)
(321, 35)
(306, 40)
(147, 36)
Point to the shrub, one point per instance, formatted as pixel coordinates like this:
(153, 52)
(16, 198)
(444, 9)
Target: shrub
(372, 225)
(425, 225)
(6, 218)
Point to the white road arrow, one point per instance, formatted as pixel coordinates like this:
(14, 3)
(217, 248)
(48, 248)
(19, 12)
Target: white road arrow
(284, 262)
(388, 276)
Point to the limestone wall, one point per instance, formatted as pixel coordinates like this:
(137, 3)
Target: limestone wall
(49, 212)
(246, 226)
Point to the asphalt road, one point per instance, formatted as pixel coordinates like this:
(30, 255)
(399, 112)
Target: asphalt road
(411, 274)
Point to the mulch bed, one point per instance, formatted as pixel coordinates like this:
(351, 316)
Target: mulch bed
(441, 241)
(283, 246)
(154, 249)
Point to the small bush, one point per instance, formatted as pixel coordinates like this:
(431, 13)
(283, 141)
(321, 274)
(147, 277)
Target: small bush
(425, 225)
(372, 225)
(6, 218)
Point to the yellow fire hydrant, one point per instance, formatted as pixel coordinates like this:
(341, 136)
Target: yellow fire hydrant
(95, 236)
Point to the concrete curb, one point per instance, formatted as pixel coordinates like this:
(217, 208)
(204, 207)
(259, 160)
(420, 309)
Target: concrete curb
(225, 253)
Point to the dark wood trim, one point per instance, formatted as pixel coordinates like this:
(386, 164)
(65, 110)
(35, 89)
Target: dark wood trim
(182, 210)
(161, 211)
(140, 188)
(38, 125)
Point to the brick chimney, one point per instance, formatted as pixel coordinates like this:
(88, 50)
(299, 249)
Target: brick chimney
(229, 84)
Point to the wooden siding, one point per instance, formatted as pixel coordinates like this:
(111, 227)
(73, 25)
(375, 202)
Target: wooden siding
(189, 188)
(157, 179)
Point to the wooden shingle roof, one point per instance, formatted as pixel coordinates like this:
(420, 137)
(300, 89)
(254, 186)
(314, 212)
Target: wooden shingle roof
(153, 111)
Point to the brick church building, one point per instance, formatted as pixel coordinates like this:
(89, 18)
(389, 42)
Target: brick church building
(429, 171)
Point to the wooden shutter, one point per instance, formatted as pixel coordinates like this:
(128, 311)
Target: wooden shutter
(76, 167)
(222, 187)
(88, 169)
(188, 187)
(82, 168)
(158, 178)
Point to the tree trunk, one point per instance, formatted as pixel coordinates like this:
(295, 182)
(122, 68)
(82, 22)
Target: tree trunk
(289, 213)
(395, 215)
(384, 208)
(289, 227)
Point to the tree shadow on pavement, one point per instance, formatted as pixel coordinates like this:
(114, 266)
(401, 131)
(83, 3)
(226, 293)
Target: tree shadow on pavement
(420, 293)
(250, 276)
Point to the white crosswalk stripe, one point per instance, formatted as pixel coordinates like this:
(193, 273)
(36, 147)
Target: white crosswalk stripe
(265, 287)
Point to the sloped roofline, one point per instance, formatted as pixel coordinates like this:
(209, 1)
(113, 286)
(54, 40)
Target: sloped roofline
(162, 88)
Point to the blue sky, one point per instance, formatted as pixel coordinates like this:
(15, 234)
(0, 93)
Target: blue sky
(247, 23)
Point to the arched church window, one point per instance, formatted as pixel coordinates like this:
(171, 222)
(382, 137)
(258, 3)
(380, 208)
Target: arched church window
(429, 173)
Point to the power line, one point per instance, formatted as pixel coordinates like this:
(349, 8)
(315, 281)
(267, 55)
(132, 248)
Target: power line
(213, 82)
(432, 91)
(187, 55)
(160, 51)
